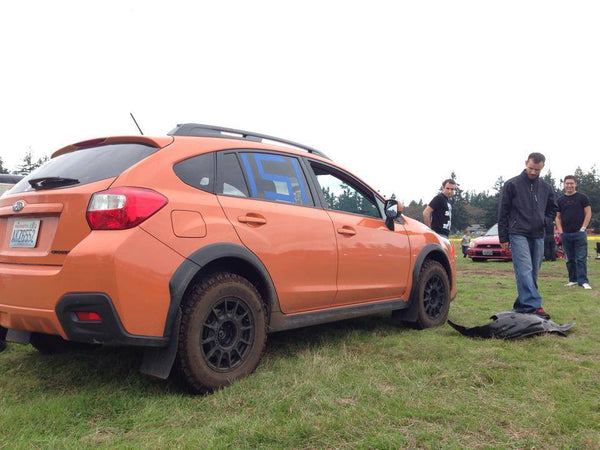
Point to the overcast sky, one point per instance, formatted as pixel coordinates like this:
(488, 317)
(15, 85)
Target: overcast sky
(400, 92)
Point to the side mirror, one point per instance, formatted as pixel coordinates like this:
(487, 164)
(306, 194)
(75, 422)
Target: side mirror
(392, 210)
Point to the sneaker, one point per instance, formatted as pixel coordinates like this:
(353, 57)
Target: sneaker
(571, 283)
(586, 286)
(543, 314)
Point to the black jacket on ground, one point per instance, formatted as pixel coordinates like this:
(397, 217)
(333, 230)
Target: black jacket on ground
(524, 206)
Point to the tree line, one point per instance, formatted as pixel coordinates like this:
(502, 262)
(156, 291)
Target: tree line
(470, 207)
(28, 164)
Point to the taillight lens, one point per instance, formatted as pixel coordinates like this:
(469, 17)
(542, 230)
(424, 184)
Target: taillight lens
(88, 316)
(123, 208)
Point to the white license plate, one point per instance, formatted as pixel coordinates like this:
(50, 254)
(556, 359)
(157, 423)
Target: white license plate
(25, 233)
(487, 252)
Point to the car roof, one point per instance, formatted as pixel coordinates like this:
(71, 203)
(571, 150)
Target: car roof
(197, 129)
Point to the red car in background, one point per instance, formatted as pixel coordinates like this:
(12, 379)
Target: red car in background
(488, 247)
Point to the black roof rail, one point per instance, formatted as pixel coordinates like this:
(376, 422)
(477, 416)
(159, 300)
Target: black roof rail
(197, 129)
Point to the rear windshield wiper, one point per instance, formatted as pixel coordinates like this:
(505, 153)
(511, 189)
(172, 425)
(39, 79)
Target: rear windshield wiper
(51, 182)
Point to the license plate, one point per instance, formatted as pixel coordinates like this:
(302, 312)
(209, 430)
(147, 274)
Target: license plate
(25, 233)
(487, 252)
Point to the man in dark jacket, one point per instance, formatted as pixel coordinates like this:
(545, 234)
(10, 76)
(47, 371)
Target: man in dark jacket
(525, 203)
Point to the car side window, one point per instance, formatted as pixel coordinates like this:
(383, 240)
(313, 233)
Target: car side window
(198, 172)
(275, 177)
(230, 178)
(343, 194)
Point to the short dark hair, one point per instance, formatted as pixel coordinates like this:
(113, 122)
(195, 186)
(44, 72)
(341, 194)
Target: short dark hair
(570, 177)
(537, 157)
(448, 180)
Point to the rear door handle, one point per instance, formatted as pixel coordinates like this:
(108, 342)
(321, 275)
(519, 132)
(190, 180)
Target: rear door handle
(346, 230)
(252, 219)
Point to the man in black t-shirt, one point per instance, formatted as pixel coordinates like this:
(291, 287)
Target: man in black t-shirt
(574, 214)
(438, 213)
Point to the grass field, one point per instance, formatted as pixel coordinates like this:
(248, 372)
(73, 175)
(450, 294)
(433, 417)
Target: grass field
(362, 383)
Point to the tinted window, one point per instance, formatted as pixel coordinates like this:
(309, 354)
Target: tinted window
(198, 172)
(341, 194)
(275, 177)
(230, 177)
(90, 164)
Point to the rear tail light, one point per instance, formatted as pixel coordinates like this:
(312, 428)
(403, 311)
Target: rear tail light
(123, 208)
(88, 316)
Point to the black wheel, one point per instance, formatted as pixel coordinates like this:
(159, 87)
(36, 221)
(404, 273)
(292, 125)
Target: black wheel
(433, 296)
(50, 343)
(223, 332)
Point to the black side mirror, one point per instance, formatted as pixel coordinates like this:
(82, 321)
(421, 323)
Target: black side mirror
(391, 212)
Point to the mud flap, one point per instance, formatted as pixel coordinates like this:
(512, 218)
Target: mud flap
(20, 337)
(158, 362)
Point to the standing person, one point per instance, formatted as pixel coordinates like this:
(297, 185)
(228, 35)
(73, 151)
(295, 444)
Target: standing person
(438, 213)
(464, 242)
(574, 215)
(525, 203)
(549, 241)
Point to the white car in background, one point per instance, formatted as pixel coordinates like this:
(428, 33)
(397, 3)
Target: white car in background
(7, 181)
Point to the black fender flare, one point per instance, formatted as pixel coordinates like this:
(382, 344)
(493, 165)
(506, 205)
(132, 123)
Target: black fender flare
(158, 362)
(195, 262)
(410, 313)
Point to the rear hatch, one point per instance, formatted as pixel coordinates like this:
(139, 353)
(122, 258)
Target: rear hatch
(43, 217)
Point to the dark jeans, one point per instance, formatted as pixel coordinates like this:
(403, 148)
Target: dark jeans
(576, 251)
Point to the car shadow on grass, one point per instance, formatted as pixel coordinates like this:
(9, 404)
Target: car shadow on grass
(116, 369)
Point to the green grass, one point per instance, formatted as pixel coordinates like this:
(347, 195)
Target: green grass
(356, 384)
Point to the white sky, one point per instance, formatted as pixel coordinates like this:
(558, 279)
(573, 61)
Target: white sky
(400, 92)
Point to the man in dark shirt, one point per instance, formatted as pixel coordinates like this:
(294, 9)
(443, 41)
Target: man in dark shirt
(438, 213)
(526, 203)
(574, 214)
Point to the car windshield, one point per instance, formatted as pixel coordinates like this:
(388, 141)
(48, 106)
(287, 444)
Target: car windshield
(492, 231)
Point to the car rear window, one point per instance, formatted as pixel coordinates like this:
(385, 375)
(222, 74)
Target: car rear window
(88, 165)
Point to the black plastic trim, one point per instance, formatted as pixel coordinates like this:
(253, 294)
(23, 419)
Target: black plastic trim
(411, 312)
(196, 261)
(280, 321)
(109, 330)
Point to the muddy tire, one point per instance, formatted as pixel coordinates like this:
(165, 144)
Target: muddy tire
(223, 332)
(432, 296)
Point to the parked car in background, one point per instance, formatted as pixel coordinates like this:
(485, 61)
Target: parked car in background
(195, 245)
(7, 181)
(488, 247)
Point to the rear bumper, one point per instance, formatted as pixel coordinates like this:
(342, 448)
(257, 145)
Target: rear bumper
(116, 266)
(480, 253)
(108, 330)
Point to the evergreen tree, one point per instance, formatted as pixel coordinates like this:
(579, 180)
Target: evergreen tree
(28, 165)
(588, 183)
(2, 168)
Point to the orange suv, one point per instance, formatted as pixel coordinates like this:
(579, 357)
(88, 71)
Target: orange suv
(196, 245)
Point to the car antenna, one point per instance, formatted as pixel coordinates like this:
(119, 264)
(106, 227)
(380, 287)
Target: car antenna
(136, 124)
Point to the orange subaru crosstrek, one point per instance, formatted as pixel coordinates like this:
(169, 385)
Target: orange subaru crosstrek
(196, 245)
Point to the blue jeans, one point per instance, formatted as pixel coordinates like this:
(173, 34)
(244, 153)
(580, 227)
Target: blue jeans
(576, 250)
(527, 256)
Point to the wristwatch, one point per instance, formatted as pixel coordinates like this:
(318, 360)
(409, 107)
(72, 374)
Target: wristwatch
(582, 229)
